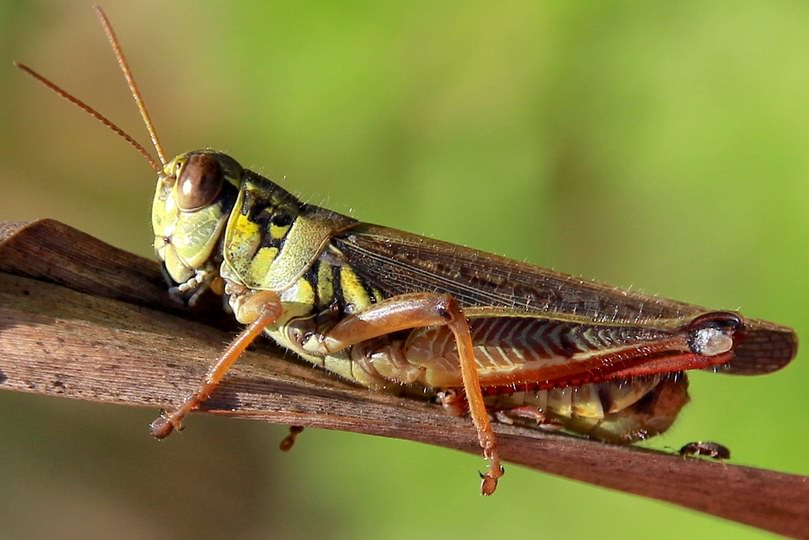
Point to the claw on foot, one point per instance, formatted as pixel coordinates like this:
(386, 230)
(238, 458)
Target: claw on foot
(453, 403)
(163, 426)
(488, 481)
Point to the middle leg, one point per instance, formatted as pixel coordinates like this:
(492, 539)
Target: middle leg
(417, 311)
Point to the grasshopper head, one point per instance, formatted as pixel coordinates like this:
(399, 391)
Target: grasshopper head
(194, 195)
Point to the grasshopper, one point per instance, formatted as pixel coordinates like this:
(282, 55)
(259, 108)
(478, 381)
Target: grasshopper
(484, 335)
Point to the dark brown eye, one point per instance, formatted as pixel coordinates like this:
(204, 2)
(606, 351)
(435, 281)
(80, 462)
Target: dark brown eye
(200, 182)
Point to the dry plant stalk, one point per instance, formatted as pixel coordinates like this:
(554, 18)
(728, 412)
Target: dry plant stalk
(83, 320)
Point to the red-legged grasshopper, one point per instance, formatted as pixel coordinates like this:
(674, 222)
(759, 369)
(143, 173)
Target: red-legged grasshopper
(394, 311)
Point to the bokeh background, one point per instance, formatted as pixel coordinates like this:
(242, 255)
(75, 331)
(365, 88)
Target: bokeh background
(654, 145)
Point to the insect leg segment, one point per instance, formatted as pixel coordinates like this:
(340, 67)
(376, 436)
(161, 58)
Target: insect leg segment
(265, 308)
(289, 441)
(709, 449)
(547, 352)
(190, 291)
(410, 311)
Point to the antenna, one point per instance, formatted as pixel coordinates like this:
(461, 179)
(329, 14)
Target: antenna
(133, 88)
(130, 80)
(92, 112)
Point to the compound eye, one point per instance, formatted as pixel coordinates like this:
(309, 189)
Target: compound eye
(200, 182)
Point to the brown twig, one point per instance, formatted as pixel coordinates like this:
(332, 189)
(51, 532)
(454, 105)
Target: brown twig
(84, 320)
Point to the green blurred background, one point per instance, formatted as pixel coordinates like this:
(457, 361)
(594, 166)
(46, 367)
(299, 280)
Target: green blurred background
(657, 146)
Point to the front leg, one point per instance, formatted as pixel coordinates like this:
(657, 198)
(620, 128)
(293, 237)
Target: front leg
(193, 288)
(411, 311)
(260, 310)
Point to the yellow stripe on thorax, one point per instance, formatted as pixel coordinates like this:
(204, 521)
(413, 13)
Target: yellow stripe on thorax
(325, 285)
(260, 264)
(354, 292)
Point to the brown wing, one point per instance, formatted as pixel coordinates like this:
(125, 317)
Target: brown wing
(397, 262)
